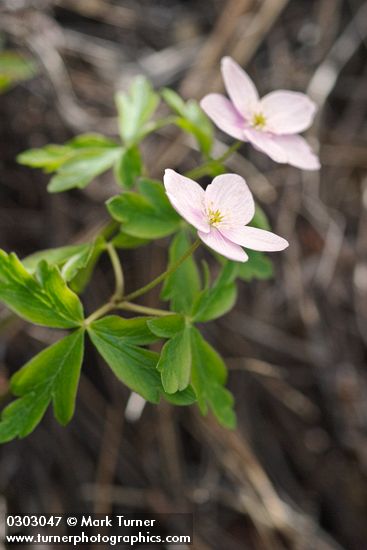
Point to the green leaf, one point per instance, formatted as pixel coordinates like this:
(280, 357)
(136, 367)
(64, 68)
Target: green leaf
(185, 397)
(76, 262)
(84, 274)
(43, 299)
(208, 378)
(146, 216)
(182, 287)
(175, 362)
(118, 340)
(76, 162)
(258, 266)
(260, 219)
(220, 298)
(55, 256)
(55, 370)
(91, 141)
(52, 375)
(13, 69)
(80, 170)
(51, 157)
(167, 326)
(128, 167)
(135, 109)
(22, 416)
(123, 240)
(192, 119)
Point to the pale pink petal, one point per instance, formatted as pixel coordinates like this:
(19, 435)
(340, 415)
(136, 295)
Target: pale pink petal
(287, 112)
(266, 143)
(254, 238)
(230, 195)
(240, 87)
(215, 240)
(188, 198)
(224, 115)
(299, 152)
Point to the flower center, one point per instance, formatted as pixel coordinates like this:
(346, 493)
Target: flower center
(215, 216)
(258, 121)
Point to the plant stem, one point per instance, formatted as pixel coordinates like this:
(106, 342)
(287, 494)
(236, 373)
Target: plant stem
(117, 269)
(163, 275)
(109, 306)
(158, 124)
(206, 168)
(143, 309)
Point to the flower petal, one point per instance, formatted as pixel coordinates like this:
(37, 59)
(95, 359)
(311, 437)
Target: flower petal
(230, 195)
(299, 152)
(223, 114)
(267, 143)
(188, 198)
(255, 239)
(215, 240)
(287, 112)
(240, 87)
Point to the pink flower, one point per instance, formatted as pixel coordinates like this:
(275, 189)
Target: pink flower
(271, 123)
(220, 214)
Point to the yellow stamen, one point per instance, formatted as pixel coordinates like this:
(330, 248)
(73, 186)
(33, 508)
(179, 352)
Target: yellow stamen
(214, 216)
(258, 121)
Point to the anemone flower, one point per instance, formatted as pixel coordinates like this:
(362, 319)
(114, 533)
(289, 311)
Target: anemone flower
(271, 123)
(221, 214)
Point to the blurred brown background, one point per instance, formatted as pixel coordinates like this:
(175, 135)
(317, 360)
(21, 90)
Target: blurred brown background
(294, 474)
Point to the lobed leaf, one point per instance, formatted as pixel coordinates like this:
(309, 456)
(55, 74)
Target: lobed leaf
(258, 266)
(208, 378)
(52, 375)
(128, 167)
(146, 216)
(43, 299)
(219, 299)
(182, 287)
(118, 341)
(135, 108)
(76, 162)
(192, 119)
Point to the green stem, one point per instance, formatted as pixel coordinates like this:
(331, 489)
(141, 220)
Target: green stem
(127, 306)
(206, 168)
(117, 269)
(158, 124)
(163, 275)
(109, 229)
(106, 308)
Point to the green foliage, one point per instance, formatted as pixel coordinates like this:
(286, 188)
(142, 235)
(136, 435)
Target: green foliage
(148, 215)
(52, 375)
(43, 298)
(191, 119)
(14, 68)
(76, 163)
(175, 360)
(56, 256)
(183, 286)
(43, 289)
(135, 110)
(76, 262)
(128, 167)
(208, 378)
(258, 266)
(219, 299)
(123, 240)
(260, 219)
(118, 341)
